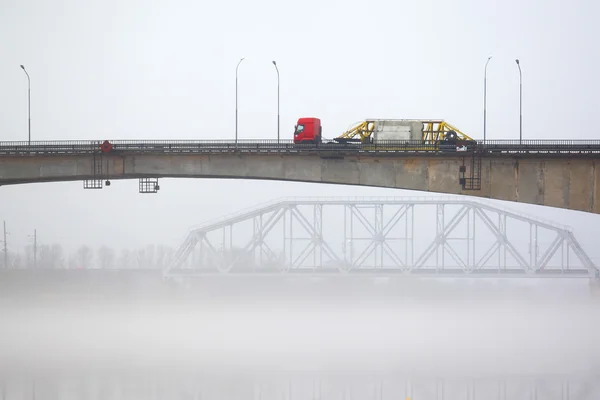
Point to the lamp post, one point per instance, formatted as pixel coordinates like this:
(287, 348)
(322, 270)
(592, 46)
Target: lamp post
(28, 101)
(236, 100)
(275, 64)
(485, 98)
(520, 102)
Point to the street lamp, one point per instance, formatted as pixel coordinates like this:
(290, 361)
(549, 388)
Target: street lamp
(28, 100)
(485, 98)
(275, 64)
(520, 102)
(236, 100)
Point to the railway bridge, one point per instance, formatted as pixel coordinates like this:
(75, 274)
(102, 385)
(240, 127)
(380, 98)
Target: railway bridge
(563, 174)
(423, 237)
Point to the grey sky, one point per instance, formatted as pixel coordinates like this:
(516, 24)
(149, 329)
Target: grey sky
(158, 69)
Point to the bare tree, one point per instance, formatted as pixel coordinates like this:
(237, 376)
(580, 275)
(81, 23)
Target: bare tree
(141, 259)
(57, 256)
(150, 257)
(50, 257)
(15, 260)
(163, 256)
(84, 257)
(28, 256)
(106, 257)
(44, 257)
(72, 262)
(125, 259)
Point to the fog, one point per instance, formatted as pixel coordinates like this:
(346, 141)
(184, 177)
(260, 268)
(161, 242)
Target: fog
(447, 337)
(73, 334)
(167, 70)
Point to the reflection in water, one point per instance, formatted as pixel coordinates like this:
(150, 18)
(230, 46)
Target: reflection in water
(270, 348)
(188, 386)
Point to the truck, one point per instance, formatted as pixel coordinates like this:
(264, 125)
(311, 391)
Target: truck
(406, 133)
(308, 130)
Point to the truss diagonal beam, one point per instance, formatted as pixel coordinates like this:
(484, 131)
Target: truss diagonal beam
(312, 231)
(558, 241)
(455, 256)
(576, 247)
(183, 252)
(389, 251)
(488, 255)
(366, 253)
(394, 220)
(264, 229)
(441, 237)
(501, 237)
(363, 220)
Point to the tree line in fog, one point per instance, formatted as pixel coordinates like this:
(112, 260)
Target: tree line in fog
(55, 257)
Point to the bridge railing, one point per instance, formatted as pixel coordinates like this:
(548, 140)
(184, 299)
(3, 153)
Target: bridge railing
(287, 145)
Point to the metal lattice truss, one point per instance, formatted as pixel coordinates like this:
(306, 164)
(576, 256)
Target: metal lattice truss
(431, 237)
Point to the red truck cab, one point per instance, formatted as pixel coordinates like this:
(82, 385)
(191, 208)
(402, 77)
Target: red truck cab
(308, 130)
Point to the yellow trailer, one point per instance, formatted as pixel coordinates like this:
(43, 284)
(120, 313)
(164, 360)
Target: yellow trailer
(404, 133)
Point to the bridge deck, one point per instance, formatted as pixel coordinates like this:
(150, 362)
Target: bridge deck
(78, 147)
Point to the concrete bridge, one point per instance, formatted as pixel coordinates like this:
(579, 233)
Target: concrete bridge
(543, 174)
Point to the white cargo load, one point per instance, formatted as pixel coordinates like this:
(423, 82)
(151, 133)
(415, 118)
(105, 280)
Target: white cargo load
(397, 130)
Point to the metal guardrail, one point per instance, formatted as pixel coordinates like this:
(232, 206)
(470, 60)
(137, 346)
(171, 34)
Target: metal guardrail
(77, 147)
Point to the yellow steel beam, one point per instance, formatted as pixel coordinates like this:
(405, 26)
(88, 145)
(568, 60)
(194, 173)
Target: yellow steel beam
(434, 131)
(437, 130)
(362, 131)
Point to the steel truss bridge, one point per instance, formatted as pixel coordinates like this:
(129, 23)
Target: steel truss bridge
(435, 237)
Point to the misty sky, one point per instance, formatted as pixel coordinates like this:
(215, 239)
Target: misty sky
(166, 70)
